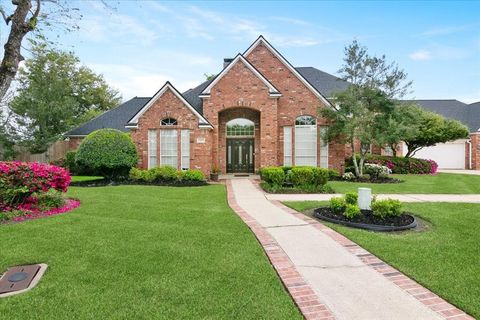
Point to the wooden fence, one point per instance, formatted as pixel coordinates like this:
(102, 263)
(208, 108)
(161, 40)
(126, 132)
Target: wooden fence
(56, 151)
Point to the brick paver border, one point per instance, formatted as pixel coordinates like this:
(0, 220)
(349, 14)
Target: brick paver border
(311, 307)
(422, 294)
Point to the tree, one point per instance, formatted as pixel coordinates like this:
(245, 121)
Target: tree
(430, 129)
(364, 111)
(57, 93)
(28, 16)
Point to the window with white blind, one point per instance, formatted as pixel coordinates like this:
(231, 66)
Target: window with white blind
(323, 147)
(287, 146)
(185, 143)
(306, 141)
(169, 148)
(152, 148)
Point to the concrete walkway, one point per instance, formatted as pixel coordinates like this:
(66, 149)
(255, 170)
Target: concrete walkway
(348, 286)
(460, 171)
(466, 198)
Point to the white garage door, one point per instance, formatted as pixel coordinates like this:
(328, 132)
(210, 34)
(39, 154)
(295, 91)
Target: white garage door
(450, 155)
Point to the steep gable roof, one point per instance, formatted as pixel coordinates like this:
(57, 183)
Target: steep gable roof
(239, 58)
(167, 86)
(115, 118)
(262, 40)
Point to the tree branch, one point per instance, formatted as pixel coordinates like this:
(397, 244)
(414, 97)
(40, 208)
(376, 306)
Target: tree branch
(5, 17)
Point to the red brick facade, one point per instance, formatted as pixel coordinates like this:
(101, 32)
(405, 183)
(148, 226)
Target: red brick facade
(244, 90)
(241, 93)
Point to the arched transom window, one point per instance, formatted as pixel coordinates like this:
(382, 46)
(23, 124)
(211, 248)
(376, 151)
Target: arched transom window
(240, 127)
(168, 122)
(305, 141)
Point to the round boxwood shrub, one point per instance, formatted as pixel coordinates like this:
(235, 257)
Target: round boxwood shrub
(108, 152)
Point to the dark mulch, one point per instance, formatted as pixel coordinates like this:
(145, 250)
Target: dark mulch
(105, 183)
(371, 180)
(367, 217)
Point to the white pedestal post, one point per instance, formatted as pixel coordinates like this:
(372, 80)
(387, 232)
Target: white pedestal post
(365, 198)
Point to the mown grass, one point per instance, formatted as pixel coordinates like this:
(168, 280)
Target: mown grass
(144, 252)
(449, 183)
(445, 258)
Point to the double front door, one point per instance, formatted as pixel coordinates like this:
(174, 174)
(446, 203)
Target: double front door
(240, 155)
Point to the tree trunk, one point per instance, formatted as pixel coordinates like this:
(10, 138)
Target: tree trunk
(19, 28)
(354, 159)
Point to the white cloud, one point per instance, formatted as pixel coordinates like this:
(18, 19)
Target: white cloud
(420, 55)
(441, 52)
(444, 30)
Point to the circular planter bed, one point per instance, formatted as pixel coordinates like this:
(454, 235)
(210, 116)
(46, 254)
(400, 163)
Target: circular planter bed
(367, 220)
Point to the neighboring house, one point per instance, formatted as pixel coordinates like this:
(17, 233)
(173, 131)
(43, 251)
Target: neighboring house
(258, 111)
(458, 154)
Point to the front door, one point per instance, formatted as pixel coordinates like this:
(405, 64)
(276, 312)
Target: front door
(240, 155)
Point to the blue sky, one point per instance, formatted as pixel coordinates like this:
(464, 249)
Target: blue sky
(141, 44)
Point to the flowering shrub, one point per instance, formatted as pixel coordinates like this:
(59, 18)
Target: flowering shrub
(20, 182)
(400, 165)
(377, 170)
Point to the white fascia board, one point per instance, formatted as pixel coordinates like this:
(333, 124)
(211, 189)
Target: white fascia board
(239, 58)
(261, 39)
(160, 92)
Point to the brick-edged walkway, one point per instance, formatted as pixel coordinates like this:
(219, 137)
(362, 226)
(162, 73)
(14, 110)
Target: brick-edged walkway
(302, 293)
(306, 294)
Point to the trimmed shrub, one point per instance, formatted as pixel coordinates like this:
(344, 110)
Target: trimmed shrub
(386, 208)
(302, 176)
(192, 175)
(273, 175)
(337, 204)
(351, 197)
(320, 176)
(377, 170)
(351, 211)
(399, 165)
(333, 174)
(108, 152)
(165, 173)
(19, 181)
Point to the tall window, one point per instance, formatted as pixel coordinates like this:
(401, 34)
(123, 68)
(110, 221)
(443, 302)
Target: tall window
(287, 146)
(323, 147)
(240, 127)
(152, 148)
(306, 141)
(169, 148)
(185, 143)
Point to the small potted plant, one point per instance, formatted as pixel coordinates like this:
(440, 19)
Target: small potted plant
(214, 173)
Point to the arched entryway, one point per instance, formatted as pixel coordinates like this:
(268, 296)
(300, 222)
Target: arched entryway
(239, 140)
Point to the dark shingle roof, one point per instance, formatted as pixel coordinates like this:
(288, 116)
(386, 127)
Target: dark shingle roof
(192, 96)
(454, 109)
(325, 83)
(115, 118)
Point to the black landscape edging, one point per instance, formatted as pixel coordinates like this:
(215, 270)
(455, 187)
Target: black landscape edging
(371, 227)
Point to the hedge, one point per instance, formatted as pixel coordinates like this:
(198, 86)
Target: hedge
(398, 165)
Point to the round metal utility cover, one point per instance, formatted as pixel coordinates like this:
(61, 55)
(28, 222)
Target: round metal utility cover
(19, 276)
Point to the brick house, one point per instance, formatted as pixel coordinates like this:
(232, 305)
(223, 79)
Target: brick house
(258, 111)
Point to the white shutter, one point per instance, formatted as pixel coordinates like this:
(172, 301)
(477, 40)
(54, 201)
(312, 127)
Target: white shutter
(287, 146)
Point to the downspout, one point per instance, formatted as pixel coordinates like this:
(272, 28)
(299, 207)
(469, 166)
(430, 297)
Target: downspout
(469, 141)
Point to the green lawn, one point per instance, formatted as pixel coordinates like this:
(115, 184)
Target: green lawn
(144, 252)
(85, 178)
(445, 258)
(440, 183)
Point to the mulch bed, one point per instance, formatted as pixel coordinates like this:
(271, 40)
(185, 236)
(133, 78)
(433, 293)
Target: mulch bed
(367, 220)
(105, 183)
(70, 204)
